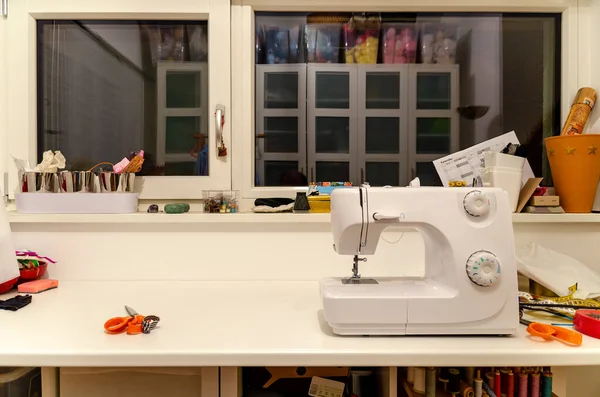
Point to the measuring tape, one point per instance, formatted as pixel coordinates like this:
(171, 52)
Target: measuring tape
(587, 322)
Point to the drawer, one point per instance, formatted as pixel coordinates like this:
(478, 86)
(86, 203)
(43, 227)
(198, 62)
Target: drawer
(148, 382)
(295, 381)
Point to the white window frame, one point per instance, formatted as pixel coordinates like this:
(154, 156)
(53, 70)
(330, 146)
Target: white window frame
(575, 59)
(3, 105)
(21, 113)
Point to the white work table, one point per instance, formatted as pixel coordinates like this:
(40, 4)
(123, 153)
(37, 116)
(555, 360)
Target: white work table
(236, 324)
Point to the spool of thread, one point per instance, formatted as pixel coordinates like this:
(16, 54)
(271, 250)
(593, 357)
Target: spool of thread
(523, 384)
(454, 381)
(443, 374)
(547, 384)
(466, 390)
(488, 390)
(477, 382)
(489, 376)
(504, 380)
(510, 387)
(410, 375)
(430, 382)
(469, 375)
(580, 110)
(419, 380)
(497, 384)
(535, 384)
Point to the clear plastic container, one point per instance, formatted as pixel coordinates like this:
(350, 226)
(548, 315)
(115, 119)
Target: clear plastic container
(20, 382)
(221, 201)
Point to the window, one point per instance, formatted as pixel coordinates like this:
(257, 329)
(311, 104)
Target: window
(376, 97)
(100, 80)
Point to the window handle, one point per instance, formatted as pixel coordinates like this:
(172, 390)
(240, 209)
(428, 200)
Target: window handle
(312, 178)
(5, 8)
(219, 123)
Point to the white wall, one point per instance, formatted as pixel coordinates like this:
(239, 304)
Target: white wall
(258, 251)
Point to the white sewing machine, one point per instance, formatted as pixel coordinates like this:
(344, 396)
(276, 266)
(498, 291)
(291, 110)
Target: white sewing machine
(470, 281)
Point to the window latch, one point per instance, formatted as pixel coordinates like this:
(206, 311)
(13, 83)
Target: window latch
(219, 124)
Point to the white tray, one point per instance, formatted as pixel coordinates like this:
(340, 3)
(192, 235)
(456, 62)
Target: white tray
(76, 203)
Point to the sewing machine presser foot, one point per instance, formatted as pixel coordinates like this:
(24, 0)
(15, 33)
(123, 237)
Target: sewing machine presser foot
(356, 279)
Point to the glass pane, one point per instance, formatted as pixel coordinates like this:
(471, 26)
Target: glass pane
(180, 168)
(332, 134)
(433, 135)
(98, 92)
(383, 90)
(381, 174)
(183, 89)
(181, 134)
(382, 135)
(333, 171)
(433, 91)
(283, 173)
(332, 90)
(281, 134)
(281, 90)
(427, 174)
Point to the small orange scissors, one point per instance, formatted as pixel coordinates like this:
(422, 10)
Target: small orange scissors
(133, 324)
(550, 332)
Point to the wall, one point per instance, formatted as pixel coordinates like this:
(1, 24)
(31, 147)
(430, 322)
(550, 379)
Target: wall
(212, 251)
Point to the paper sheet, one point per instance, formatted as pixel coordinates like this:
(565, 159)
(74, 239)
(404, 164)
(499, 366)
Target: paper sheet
(466, 164)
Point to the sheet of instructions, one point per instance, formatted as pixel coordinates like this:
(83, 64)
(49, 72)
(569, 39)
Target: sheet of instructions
(465, 165)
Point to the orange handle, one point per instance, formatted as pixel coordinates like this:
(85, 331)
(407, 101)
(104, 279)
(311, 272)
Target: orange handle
(567, 336)
(116, 325)
(135, 326)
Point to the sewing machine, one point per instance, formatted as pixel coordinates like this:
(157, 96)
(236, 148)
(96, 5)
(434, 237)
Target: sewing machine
(470, 280)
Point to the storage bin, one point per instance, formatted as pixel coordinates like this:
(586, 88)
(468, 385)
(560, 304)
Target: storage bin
(151, 382)
(20, 382)
(319, 204)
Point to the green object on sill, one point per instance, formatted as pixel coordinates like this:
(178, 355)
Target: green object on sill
(179, 208)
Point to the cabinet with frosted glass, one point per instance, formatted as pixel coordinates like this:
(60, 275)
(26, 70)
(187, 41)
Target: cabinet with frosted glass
(280, 122)
(376, 123)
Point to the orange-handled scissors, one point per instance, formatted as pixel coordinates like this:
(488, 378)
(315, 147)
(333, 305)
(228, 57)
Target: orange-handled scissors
(550, 332)
(133, 324)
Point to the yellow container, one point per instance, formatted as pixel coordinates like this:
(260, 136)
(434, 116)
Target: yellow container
(319, 204)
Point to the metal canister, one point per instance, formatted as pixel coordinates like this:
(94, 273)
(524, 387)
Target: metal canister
(361, 383)
(580, 111)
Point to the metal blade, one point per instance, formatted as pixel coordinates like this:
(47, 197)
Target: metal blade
(130, 311)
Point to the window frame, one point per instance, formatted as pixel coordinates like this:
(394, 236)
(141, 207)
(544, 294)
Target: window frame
(21, 111)
(575, 40)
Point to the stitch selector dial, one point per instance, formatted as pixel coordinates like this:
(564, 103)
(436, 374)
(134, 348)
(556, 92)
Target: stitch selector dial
(483, 268)
(476, 203)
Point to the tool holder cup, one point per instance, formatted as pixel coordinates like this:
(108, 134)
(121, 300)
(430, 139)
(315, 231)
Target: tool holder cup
(575, 165)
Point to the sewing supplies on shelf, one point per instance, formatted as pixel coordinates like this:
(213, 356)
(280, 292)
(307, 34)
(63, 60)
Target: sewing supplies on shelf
(133, 324)
(361, 306)
(220, 201)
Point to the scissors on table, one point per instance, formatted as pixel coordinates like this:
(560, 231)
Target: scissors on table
(133, 324)
(550, 332)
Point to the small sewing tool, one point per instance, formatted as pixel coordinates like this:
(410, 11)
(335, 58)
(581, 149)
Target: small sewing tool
(133, 324)
(587, 322)
(549, 332)
(478, 385)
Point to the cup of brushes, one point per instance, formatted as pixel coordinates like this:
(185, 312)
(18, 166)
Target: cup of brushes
(574, 157)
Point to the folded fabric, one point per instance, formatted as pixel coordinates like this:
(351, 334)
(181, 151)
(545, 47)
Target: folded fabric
(272, 202)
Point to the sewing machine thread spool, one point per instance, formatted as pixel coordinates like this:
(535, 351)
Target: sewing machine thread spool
(547, 384)
(535, 384)
(504, 380)
(490, 379)
(419, 380)
(523, 384)
(454, 380)
(430, 382)
(469, 375)
(477, 382)
(510, 387)
(497, 384)
(410, 375)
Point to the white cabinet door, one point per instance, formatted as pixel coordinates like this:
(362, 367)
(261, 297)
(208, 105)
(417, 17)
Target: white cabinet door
(101, 22)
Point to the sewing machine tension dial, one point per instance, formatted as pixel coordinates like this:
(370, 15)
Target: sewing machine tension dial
(483, 268)
(476, 203)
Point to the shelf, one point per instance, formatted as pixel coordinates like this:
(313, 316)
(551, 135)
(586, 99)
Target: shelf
(247, 217)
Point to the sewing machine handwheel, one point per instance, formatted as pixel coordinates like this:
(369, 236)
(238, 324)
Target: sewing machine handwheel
(476, 203)
(483, 268)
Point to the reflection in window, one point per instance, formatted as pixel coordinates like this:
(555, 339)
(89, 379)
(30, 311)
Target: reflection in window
(107, 88)
(414, 71)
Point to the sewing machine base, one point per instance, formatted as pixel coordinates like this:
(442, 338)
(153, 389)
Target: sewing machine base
(357, 280)
(385, 309)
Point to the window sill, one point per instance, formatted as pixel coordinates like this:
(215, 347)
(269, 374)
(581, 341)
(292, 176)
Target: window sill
(245, 218)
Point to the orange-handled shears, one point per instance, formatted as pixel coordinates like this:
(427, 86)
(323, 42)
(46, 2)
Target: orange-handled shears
(550, 332)
(133, 324)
